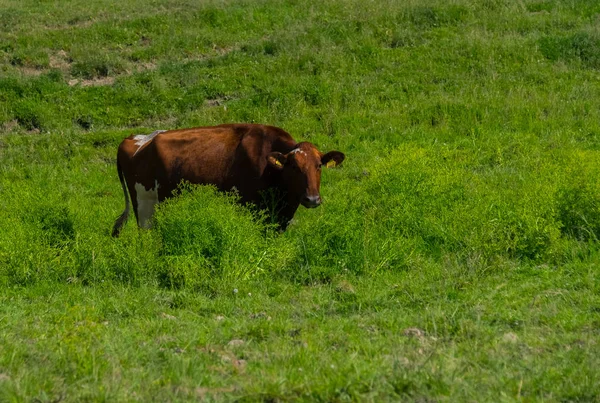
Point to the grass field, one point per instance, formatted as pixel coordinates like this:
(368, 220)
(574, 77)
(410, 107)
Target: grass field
(455, 256)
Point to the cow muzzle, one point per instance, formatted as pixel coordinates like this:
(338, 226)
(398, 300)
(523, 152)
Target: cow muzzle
(311, 201)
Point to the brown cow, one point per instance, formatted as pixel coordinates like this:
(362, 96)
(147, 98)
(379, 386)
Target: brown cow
(248, 158)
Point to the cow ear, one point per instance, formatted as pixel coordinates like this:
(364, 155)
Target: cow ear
(276, 160)
(332, 159)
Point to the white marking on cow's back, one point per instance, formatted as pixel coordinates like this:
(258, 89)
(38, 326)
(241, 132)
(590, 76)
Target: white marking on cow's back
(143, 139)
(146, 200)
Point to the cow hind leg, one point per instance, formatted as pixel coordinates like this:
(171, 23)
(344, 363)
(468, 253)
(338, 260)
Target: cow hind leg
(146, 200)
(119, 222)
(122, 219)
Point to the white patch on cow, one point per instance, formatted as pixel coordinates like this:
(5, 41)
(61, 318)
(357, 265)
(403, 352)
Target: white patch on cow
(146, 200)
(297, 150)
(143, 139)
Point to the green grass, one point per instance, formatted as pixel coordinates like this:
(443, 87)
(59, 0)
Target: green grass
(455, 256)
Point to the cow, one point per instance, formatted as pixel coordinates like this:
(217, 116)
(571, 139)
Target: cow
(263, 164)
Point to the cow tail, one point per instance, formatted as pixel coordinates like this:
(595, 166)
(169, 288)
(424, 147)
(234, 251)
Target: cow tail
(125, 215)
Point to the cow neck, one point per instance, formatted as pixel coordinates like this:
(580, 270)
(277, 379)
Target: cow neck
(288, 205)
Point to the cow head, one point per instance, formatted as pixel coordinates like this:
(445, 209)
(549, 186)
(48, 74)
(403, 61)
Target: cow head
(301, 171)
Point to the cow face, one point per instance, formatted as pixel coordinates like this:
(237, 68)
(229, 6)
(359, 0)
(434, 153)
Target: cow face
(301, 171)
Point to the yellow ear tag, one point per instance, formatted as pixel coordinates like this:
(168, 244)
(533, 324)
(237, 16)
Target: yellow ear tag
(331, 164)
(278, 163)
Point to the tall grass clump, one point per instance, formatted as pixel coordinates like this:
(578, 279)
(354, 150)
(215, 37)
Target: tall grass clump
(35, 239)
(578, 198)
(450, 201)
(53, 240)
(580, 47)
(206, 235)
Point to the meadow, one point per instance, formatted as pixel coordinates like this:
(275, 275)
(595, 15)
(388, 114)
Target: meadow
(455, 256)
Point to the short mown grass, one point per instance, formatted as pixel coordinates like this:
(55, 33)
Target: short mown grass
(455, 256)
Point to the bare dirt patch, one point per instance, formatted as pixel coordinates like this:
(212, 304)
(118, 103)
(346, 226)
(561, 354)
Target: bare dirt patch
(213, 102)
(60, 60)
(94, 82)
(224, 50)
(9, 126)
(414, 332)
(141, 67)
(31, 71)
